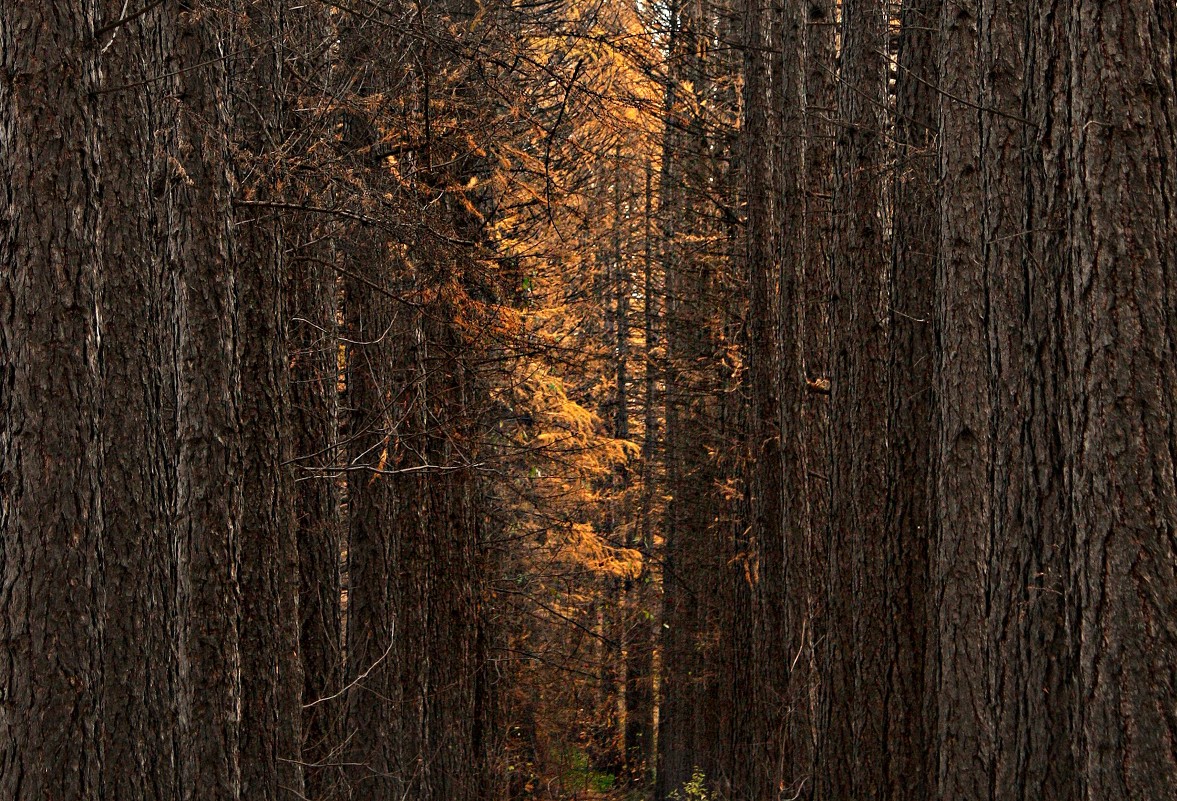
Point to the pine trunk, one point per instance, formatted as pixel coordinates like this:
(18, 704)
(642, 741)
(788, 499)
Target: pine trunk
(1120, 332)
(50, 448)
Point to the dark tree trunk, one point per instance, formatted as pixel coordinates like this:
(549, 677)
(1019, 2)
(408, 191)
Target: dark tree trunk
(756, 714)
(1026, 620)
(960, 572)
(776, 374)
(50, 449)
(313, 423)
(679, 675)
(1046, 645)
(771, 730)
(373, 558)
(820, 67)
(268, 559)
(910, 435)
(314, 371)
(137, 322)
(855, 717)
(208, 489)
(639, 669)
(1121, 329)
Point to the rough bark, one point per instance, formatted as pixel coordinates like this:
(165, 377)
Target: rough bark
(963, 449)
(910, 434)
(268, 559)
(1120, 338)
(137, 319)
(820, 67)
(1047, 768)
(50, 450)
(853, 728)
(208, 489)
(1026, 622)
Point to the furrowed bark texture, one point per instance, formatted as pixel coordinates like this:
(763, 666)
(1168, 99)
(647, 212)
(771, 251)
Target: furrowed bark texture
(1026, 622)
(910, 432)
(268, 559)
(856, 715)
(820, 72)
(1121, 330)
(50, 449)
(1045, 725)
(751, 719)
(136, 306)
(208, 490)
(961, 562)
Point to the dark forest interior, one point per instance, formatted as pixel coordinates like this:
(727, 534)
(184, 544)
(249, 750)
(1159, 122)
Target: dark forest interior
(634, 400)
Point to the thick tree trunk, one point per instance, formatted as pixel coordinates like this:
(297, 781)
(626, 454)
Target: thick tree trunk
(137, 322)
(1045, 724)
(1026, 620)
(50, 449)
(1120, 332)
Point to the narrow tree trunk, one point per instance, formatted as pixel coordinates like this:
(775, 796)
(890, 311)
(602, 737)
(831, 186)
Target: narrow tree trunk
(268, 558)
(820, 66)
(856, 716)
(373, 560)
(639, 670)
(963, 451)
(208, 490)
(755, 715)
(910, 433)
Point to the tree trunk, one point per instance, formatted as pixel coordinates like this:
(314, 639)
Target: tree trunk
(910, 432)
(1120, 333)
(138, 322)
(963, 451)
(208, 490)
(639, 669)
(1047, 768)
(50, 449)
(268, 558)
(853, 731)
(820, 66)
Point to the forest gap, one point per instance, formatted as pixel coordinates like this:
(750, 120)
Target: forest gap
(634, 400)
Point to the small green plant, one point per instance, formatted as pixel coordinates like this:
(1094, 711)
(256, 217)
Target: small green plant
(693, 790)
